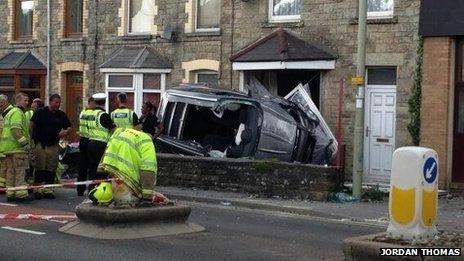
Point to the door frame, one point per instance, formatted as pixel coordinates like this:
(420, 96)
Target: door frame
(68, 106)
(367, 113)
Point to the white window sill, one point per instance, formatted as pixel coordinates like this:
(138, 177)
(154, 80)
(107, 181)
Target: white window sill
(281, 21)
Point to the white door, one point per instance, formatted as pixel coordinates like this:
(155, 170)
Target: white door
(379, 133)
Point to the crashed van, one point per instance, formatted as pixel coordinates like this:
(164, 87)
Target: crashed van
(202, 121)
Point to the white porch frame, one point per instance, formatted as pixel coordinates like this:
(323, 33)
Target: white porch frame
(137, 84)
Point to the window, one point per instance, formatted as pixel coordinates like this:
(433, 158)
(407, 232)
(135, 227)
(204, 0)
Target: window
(208, 14)
(32, 85)
(381, 76)
(141, 16)
(24, 13)
(138, 87)
(284, 10)
(74, 18)
(380, 8)
(209, 78)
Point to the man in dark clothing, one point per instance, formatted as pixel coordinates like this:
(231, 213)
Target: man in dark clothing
(99, 129)
(84, 117)
(49, 124)
(149, 121)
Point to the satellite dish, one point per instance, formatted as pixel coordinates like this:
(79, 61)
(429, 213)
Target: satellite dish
(167, 32)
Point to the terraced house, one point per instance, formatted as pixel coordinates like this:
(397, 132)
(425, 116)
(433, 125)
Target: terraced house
(143, 47)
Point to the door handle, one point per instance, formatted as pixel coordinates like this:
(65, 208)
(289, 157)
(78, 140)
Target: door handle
(367, 131)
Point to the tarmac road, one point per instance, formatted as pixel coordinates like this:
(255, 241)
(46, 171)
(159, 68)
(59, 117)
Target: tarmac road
(231, 234)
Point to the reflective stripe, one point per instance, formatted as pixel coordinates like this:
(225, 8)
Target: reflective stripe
(116, 157)
(23, 140)
(147, 192)
(140, 143)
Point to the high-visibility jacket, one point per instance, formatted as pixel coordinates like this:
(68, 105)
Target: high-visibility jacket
(14, 119)
(29, 114)
(123, 118)
(128, 153)
(85, 117)
(95, 130)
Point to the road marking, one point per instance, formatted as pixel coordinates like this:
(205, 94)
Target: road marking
(8, 204)
(24, 231)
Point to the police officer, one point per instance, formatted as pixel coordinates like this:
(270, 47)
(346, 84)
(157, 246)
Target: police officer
(124, 117)
(84, 117)
(14, 144)
(99, 127)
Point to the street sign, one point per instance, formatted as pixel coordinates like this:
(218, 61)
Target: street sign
(357, 80)
(430, 170)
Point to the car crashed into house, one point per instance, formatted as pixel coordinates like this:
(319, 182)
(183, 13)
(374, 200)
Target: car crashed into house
(201, 121)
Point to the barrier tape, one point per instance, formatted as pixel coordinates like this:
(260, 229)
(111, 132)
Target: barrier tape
(64, 184)
(52, 218)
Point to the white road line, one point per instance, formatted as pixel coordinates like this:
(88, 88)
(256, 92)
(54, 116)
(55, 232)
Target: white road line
(8, 204)
(25, 231)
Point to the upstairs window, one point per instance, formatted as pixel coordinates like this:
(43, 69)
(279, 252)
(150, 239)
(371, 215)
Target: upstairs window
(284, 10)
(380, 8)
(24, 13)
(208, 14)
(74, 18)
(141, 16)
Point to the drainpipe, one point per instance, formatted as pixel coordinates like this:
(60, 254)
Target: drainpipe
(47, 87)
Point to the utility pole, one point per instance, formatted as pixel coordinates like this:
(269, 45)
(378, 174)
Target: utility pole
(359, 111)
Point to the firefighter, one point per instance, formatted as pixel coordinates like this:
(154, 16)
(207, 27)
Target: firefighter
(99, 128)
(36, 104)
(3, 105)
(84, 118)
(124, 117)
(131, 158)
(14, 144)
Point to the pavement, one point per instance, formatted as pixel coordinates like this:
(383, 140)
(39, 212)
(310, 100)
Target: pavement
(450, 210)
(232, 233)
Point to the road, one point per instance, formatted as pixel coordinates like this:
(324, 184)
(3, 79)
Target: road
(231, 234)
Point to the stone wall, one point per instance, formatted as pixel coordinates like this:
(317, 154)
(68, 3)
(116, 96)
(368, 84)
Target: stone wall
(391, 42)
(263, 178)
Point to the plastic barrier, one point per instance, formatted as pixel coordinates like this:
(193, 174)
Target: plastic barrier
(413, 193)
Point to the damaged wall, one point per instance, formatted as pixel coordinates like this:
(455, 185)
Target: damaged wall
(262, 178)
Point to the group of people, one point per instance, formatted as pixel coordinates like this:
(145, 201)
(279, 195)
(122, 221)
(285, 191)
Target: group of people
(118, 145)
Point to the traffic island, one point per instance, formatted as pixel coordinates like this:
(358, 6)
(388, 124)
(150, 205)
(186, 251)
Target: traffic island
(380, 247)
(130, 223)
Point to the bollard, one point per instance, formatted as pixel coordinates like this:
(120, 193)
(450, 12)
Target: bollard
(413, 193)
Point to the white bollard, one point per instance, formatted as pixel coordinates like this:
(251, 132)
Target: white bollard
(413, 193)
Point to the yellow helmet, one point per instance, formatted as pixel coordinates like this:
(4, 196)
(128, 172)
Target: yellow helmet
(102, 195)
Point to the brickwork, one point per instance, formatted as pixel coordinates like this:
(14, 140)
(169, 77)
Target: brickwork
(331, 23)
(436, 87)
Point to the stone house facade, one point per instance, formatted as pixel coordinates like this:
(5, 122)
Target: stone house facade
(198, 39)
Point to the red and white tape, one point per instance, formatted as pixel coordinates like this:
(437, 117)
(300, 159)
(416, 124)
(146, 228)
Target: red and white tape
(53, 218)
(64, 184)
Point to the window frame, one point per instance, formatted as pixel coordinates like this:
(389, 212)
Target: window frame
(128, 20)
(281, 18)
(196, 29)
(17, 74)
(137, 87)
(381, 14)
(197, 72)
(16, 22)
(67, 26)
